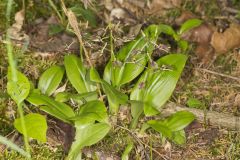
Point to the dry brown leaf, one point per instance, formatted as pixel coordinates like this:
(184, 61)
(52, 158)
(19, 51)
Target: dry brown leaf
(205, 52)
(230, 39)
(165, 4)
(15, 31)
(201, 34)
(160, 6)
(186, 15)
(237, 100)
(118, 13)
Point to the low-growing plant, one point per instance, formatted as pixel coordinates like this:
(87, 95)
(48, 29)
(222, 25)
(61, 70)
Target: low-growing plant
(155, 84)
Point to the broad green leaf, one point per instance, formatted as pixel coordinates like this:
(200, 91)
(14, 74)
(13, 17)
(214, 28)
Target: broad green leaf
(13, 146)
(57, 109)
(189, 24)
(166, 29)
(157, 83)
(183, 45)
(180, 120)
(115, 97)
(64, 97)
(36, 126)
(161, 127)
(19, 89)
(77, 74)
(94, 76)
(149, 109)
(194, 103)
(131, 59)
(87, 14)
(179, 137)
(87, 135)
(125, 155)
(50, 80)
(136, 111)
(90, 112)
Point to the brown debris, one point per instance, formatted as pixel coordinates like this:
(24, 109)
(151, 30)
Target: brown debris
(186, 15)
(201, 34)
(230, 39)
(15, 31)
(205, 52)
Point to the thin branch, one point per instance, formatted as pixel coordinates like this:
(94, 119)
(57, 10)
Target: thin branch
(214, 118)
(218, 74)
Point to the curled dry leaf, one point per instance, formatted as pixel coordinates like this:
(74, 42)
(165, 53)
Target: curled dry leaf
(118, 13)
(160, 6)
(186, 15)
(15, 31)
(230, 39)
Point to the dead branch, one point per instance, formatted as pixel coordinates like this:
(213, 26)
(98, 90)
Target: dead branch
(210, 117)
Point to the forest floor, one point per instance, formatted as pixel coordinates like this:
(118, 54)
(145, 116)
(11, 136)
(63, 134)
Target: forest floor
(210, 80)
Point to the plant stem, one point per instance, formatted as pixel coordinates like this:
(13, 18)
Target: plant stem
(20, 111)
(56, 10)
(13, 146)
(14, 72)
(9, 44)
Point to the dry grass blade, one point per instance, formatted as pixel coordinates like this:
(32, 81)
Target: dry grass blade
(218, 74)
(74, 24)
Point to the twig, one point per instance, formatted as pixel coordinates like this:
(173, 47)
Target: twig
(218, 74)
(231, 10)
(211, 117)
(140, 141)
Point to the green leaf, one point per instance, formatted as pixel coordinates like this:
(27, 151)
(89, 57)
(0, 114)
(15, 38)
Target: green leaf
(131, 59)
(125, 155)
(55, 29)
(90, 112)
(94, 76)
(161, 127)
(13, 146)
(50, 80)
(18, 90)
(136, 111)
(57, 109)
(179, 137)
(180, 120)
(87, 135)
(36, 126)
(157, 83)
(166, 29)
(189, 24)
(80, 98)
(87, 14)
(194, 103)
(183, 45)
(114, 96)
(77, 74)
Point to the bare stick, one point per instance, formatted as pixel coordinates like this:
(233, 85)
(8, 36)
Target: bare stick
(211, 117)
(218, 74)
